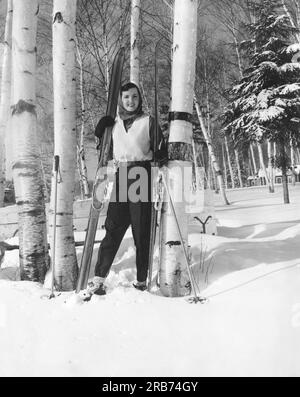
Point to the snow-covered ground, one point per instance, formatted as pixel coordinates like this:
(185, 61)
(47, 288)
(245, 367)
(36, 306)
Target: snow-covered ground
(250, 326)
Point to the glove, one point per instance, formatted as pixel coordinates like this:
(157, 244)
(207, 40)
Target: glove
(104, 122)
(161, 157)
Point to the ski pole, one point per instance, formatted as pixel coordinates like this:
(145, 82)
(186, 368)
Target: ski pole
(153, 222)
(196, 298)
(55, 170)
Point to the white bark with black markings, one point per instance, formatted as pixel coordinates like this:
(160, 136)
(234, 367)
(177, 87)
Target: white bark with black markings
(271, 165)
(173, 274)
(229, 163)
(5, 96)
(237, 160)
(211, 152)
(253, 159)
(26, 162)
(134, 42)
(264, 168)
(82, 168)
(64, 16)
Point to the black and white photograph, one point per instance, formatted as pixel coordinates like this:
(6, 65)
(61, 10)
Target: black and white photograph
(149, 191)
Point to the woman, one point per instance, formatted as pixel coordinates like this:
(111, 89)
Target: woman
(133, 148)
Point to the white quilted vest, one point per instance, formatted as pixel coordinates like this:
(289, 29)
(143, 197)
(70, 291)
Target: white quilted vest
(134, 144)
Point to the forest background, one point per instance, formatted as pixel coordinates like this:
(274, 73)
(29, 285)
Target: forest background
(102, 27)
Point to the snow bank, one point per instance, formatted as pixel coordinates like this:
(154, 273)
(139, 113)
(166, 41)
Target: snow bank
(250, 326)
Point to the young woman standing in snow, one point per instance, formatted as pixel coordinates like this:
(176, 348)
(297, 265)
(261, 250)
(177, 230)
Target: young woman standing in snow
(133, 148)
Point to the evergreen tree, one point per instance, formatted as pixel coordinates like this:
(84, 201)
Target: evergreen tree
(265, 104)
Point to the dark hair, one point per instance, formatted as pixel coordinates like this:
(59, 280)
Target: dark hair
(129, 85)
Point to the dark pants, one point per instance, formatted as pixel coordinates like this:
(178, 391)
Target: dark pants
(120, 215)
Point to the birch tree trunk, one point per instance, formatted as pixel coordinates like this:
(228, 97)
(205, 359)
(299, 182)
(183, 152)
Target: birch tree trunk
(64, 15)
(271, 166)
(237, 160)
(211, 152)
(241, 76)
(214, 178)
(285, 186)
(197, 178)
(134, 42)
(105, 45)
(253, 159)
(250, 165)
(224, 166)
(263, 166)
(81, 149)
(5, 96)
(238, 55)
(106, 60)
(298, 156)
(288, 14)
(229, 163)
(251, 172)
(174, 279)
(292, 153)
(26, 165)
(297, 5)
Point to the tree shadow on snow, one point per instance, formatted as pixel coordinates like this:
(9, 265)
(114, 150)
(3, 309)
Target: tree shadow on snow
(234, 256)
(258, 230)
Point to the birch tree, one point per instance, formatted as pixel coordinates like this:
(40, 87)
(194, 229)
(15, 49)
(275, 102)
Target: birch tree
(5, 95)
(82, 169)
(253, 159)
(237, 160)
(134, 42)
(288, 14)
(26, 163)
(173, 277)
(211, 152)
(229, 163)
(271, 163)
(224, 166)
(64, 86)
(264, 168)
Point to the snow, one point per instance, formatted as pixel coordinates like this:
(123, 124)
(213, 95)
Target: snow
(290, 67)
(250, 325)
(273, 112)
(263, 98)
(293, 48)
(290, 88)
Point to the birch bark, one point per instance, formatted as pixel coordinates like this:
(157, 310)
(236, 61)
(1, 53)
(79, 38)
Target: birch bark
(174, 279)
(64, 15)
(5, 96)
(134, 42)
(263, 166)
(229, 163)
(26, 164)
(211, 152)
(237, 160)
(83, 175)
(271, 166)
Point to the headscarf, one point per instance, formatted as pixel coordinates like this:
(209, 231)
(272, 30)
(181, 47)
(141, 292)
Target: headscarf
(124, 114)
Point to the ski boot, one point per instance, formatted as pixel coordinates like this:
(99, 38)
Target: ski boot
(95, 287)
(140, 285)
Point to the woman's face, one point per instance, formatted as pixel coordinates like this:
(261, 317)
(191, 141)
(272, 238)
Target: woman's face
(130, 99)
